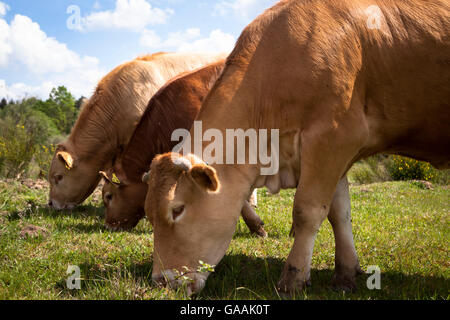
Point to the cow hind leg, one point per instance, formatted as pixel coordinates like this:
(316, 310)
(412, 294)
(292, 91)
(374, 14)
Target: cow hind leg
(346, 260)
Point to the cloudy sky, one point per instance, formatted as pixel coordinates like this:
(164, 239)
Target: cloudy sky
(47, 43)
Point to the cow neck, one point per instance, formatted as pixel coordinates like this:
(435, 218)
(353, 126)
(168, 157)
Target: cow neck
(227, 107)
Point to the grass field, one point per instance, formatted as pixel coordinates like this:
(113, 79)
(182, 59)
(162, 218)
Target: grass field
(402, 227)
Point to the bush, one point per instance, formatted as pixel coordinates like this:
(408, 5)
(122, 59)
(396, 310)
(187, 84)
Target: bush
(441, 177)
(382, 168)
(16, 148)
(370, 170)
(24, 132)
(403, 168)
(42, 160)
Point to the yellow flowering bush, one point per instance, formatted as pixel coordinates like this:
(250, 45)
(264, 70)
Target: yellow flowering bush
(403, 168)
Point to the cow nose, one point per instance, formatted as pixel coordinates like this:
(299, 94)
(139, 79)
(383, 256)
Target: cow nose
(50, 203)
(170, 278)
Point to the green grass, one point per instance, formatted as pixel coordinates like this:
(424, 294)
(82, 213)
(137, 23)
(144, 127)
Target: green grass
(399, 226)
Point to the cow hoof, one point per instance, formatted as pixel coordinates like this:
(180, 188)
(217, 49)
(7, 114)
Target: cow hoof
(261, 232)
(290, 289)
(359, 271)
(346, 283)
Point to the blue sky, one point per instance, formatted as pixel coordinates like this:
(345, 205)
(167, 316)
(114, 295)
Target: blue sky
(43, 44)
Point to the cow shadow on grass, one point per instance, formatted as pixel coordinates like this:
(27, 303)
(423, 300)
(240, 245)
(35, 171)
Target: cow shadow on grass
(245, 277)
(248, 278)
(83, 219)
(96, 226)
(34, 208)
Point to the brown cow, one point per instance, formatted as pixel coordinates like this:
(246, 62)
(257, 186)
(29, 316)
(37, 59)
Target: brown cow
(107, 122)
(173, 107)
(341, 80)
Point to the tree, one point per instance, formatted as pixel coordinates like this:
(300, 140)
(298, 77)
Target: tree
(60, 107)
(3, 103)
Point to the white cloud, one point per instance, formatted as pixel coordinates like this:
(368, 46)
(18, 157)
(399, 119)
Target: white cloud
(5, 45)
(20, 90)
(148, 38)
(38, 52)
(23, 43)
(130, 15)
(244, 9)
(189, 40)
(3, 8)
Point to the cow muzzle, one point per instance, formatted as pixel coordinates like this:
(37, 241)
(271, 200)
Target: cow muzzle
(193, 283)
(55, 205)
(124, 225)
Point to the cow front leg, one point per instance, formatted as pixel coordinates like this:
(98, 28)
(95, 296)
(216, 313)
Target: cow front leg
(326, 156)
(296, 272)
(346, 260)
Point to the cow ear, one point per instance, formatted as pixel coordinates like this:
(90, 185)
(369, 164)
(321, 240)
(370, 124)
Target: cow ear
(66, 158)
(104, 175)
(110, 178)
(206, 177)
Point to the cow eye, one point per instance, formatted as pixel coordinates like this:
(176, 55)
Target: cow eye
(176, 212)
(108, 197)
(58, 178)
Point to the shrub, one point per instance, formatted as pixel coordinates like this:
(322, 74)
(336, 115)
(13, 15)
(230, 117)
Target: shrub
(16, 148)
(42, 161)
(23, 133)
(441, 177)
(370, 170)
(403, 168)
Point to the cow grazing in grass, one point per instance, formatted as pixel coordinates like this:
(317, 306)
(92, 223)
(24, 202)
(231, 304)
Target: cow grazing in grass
(341, 80)
(173, 107)
(107, 122)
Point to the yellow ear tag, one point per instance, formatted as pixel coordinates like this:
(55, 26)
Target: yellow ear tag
(67, 167)
(115, 179)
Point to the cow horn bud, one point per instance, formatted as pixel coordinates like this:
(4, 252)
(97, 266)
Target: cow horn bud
(182, 163)
(146, 177)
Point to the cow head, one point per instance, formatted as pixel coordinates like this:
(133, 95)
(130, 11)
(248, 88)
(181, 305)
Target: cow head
(123, 200)
(71, 181)
(192, 220)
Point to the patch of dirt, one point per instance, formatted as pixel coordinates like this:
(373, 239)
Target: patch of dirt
(38, 184)
(424, 184)
(35, 184)
(31, 231)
